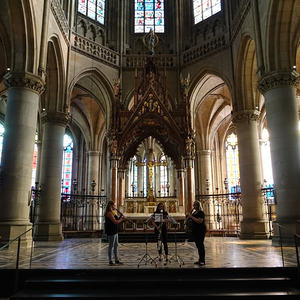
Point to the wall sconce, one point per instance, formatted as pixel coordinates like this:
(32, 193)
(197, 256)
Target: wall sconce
(226, 184)
(74, 182)
(93, 185)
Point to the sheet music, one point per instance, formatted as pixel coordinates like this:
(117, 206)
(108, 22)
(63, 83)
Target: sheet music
(173, 221)
(158, 217)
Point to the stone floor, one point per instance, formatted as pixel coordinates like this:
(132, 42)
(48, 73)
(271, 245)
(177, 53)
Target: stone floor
(221, 252)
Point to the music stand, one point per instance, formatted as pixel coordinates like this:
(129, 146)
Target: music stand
(146, 257)
(175, 257)
(158, 218)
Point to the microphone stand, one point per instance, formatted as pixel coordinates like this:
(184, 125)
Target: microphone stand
(146, 257)
(176, 257)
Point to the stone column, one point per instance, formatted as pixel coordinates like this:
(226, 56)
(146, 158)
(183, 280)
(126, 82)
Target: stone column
(279, 90)
(140, 185)
(205, 171)
(114, 178)
(17, 154)
(93, 184)
(48, 226)
(181, 192)
(190, 183)
(93, 169)
(121, 187)
(205, 157)
(254, 224)
(171, 177)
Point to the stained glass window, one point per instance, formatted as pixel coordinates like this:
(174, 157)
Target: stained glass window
(144, 179)
(133, 177)
(149, 14)
(67, 164)
(94, 9)
(163, 177)
(34, 163)
(1, 140)
(203, 9)
(232, 160)
(266, 159)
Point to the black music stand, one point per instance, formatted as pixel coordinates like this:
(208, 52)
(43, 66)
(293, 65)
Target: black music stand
(146, 257)
(176, 257)
(158, 218)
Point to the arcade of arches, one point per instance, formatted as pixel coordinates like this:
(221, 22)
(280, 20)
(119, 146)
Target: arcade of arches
(149, 110)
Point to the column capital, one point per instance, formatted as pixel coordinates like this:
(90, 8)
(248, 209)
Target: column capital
(24, 80)
(278, 79)
(59, 118)
(245, 115)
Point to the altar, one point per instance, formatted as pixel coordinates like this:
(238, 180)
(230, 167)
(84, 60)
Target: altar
(139, 210)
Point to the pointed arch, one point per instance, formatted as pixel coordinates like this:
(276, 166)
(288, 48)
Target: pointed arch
(210, 105)
(54, 97)
(5, 50)
(282, 35)
(23, 36)
(100, 89)
(247, 95)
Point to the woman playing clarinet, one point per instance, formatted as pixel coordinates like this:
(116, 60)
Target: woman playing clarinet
(198, 231)
(112, 219)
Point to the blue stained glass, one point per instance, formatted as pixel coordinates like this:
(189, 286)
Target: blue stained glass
(94, 9)
(149, 6)
(149, 14)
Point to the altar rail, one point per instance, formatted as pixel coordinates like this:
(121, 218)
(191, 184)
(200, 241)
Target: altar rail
(224, 211)
(79, 212)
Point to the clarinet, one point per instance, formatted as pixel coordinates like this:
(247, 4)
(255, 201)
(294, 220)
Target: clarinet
(187, 216)
(122, 215)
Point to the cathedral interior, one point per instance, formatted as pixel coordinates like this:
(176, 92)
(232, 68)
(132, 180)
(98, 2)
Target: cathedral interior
(142, 102)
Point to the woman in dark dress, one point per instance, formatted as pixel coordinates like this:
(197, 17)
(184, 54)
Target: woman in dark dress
(198, 231)
(160, 230)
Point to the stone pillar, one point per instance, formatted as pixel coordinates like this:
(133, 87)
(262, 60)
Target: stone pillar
(93, 169)
(171, 177)
(48, 226)
(114, 178)
(181, 192)
(140, 185)
(205, 171)
(17, 154)
(279, 90)
(254, 224)
(190, 183)
(93, 184)
(121, 187)
(205, 157)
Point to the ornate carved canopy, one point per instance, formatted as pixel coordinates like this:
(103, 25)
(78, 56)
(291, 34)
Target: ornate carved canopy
(151, 115)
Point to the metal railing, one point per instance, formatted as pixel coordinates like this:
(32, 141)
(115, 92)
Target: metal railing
(18, 238)
(82, 212)
(286, 241)
(79, 212)
(224, 211)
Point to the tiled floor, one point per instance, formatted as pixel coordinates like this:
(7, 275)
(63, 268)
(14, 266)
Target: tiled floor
(221, 252)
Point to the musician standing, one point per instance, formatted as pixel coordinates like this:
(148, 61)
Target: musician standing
(112, 219)
(198, 231)
(160, 230)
